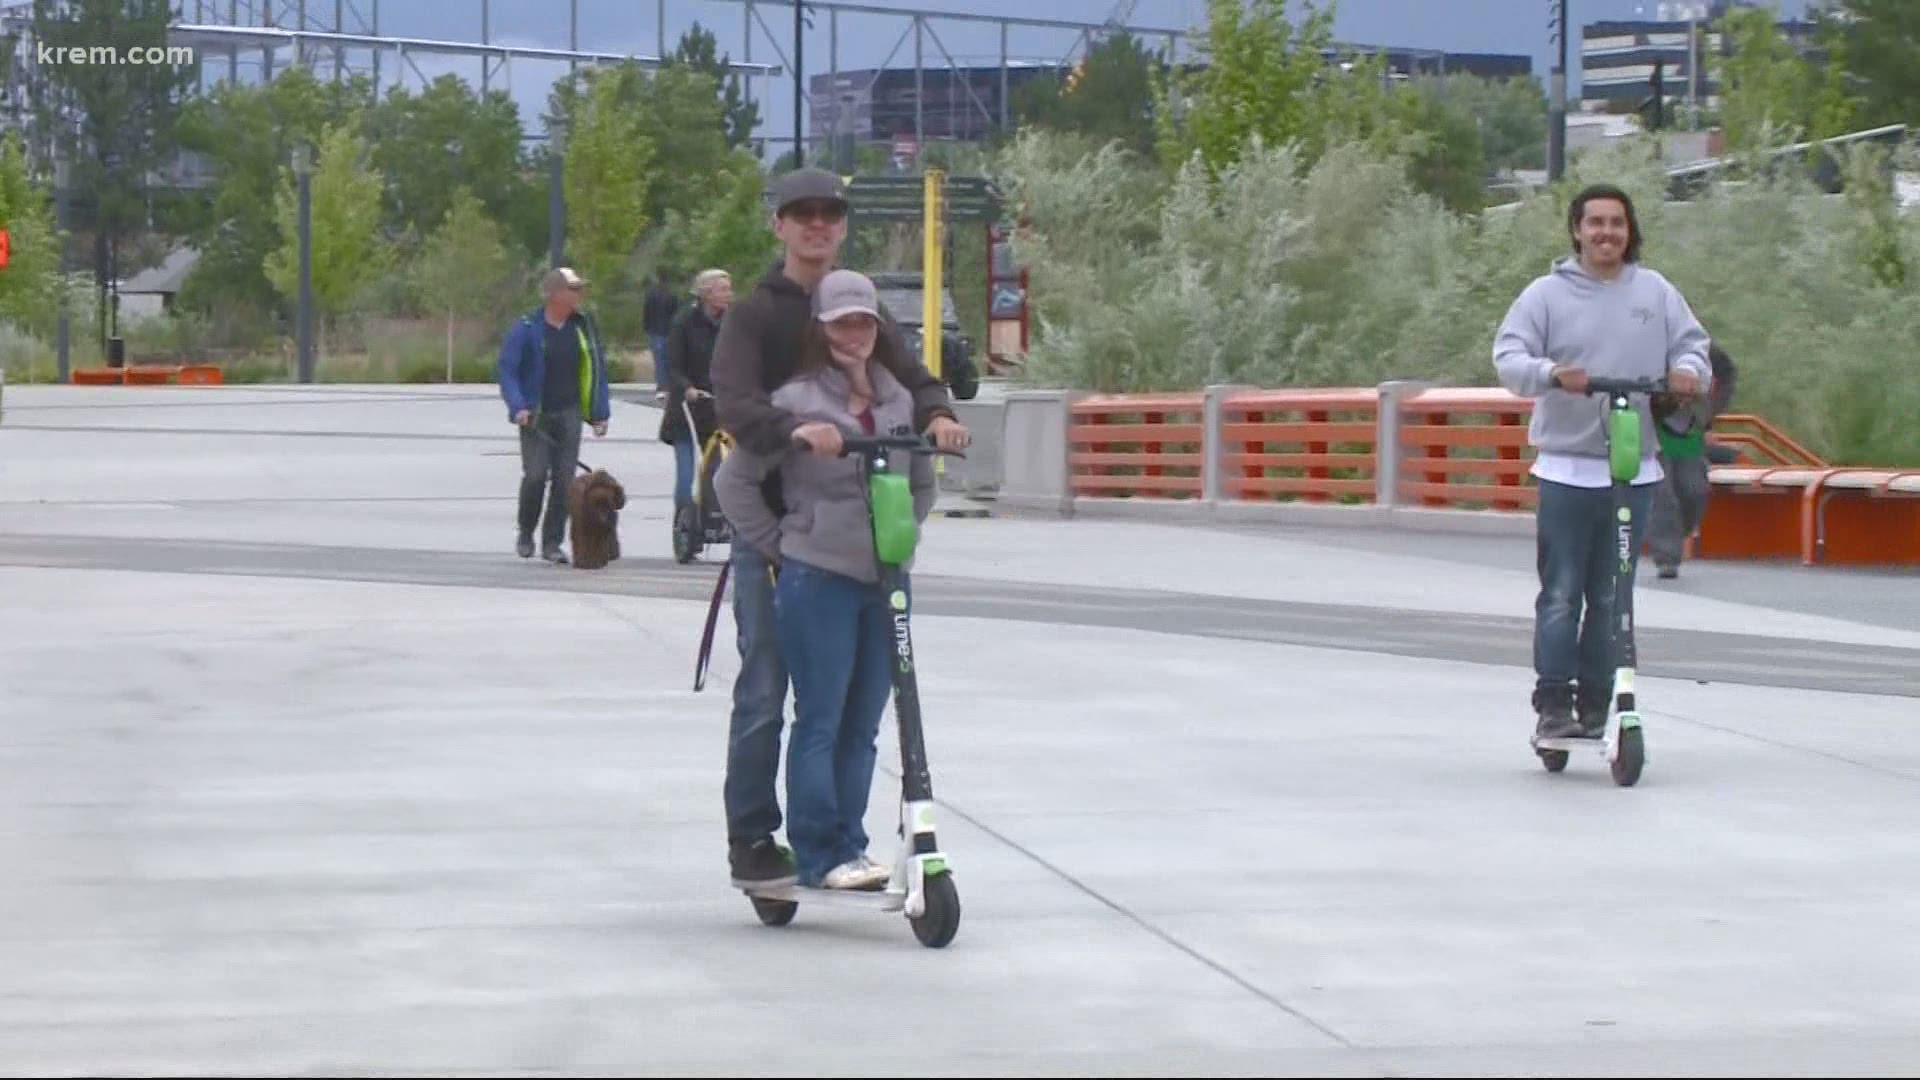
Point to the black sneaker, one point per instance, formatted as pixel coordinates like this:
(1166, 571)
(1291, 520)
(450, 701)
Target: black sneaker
(554, 555)
(1592, 710)
(761, 864)
(524, 546)
(1555, 708)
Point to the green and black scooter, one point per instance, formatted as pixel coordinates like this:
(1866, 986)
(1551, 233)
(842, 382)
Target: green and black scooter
(1623, 740)
(922, 882)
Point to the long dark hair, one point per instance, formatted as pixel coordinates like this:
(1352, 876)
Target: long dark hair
(1604, 191)
(816, 352)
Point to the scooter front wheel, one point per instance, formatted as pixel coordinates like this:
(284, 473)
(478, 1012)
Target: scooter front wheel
(1631, 758)
(941, 921)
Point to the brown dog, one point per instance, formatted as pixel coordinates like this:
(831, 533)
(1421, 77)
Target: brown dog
(594, 502)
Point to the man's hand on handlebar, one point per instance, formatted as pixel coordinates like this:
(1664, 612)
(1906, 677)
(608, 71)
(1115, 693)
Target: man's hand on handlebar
(1683, 382)
(1569, 378)
(949, 434)
(820, 437)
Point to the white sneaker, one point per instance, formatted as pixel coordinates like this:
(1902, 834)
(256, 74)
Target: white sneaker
(860, 874)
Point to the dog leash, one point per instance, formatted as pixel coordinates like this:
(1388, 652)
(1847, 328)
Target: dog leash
(535, 428)
(706, 638)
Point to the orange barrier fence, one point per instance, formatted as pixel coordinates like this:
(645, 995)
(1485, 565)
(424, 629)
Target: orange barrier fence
(1463, 448)
(1316, 445)
(150, 375)
(1136, 445)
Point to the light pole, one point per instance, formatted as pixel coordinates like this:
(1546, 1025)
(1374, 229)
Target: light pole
(556, 194)
(303, 179)
(799, 22)
(1557, 100)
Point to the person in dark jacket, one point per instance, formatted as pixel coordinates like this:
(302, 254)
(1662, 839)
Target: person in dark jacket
(688, 378)
(553, 376)
(758, 351)
(658, 317)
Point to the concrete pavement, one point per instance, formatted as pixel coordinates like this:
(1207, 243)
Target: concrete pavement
(302, 772)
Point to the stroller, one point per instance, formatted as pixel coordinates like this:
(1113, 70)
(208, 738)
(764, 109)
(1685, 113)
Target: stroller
(699, 523)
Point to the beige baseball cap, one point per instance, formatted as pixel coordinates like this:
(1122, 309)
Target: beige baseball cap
(843, 293)
(561, 277)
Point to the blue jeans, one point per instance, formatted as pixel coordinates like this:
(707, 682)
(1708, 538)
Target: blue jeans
(1575, 552)
(759, 703)
(837, 633)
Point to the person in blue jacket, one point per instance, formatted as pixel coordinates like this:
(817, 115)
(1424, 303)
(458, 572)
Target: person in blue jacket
(553, 377)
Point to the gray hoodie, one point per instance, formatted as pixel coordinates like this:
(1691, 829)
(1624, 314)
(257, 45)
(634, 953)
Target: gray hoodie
(826, 523)
(1636, 326)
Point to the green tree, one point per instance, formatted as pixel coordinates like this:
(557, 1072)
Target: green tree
(697, 49)
(609, 164)
(29, 286)
(729, 231)
(1252, 80)
(347, 249)
(1109, 96)
(464, 266)
(113, 123)
(1769, 92)
(247, 133)
(430, 144)
(1883, 54)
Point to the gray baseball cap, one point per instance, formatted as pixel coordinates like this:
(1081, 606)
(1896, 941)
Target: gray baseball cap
(843, 293)
(803, 184)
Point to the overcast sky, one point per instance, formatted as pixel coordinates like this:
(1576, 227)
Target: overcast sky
(1497, 26)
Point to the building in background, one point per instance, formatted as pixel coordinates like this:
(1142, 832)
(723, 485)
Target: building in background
(1617, 58)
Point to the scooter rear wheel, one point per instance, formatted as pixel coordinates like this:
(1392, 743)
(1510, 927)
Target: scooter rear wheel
(1554, 760)
(941, 922)
(774, 912)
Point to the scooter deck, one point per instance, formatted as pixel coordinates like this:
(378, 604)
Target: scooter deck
(1571, 743)
(868, 899)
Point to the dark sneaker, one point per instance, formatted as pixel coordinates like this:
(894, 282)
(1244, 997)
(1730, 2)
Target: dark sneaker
(1669, 572)
(524, 546)
(1592, 710)
(555, 556)
(1555, 708)
(761, 864)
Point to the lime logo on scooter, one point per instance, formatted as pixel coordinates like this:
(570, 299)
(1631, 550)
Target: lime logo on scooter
(901, 643)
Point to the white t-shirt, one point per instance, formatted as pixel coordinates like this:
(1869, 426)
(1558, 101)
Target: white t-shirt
(1590, 472)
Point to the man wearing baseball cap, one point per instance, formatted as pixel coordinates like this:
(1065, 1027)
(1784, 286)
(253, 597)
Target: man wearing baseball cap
(553, 377)
(757, 352)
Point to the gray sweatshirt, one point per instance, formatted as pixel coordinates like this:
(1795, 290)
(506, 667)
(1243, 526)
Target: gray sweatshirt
(826, 523)
(1636, 326)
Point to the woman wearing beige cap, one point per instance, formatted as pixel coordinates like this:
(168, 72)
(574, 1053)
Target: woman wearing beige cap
(834, 623)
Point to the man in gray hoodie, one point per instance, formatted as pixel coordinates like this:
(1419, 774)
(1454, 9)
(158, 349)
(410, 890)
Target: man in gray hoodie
(1601, 313)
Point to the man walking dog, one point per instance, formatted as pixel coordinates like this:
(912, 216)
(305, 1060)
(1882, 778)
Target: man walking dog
(553, 377)
(758, 350)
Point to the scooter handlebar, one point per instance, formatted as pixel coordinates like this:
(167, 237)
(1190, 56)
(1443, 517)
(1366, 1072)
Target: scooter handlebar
(1600, 385)
(874, 444)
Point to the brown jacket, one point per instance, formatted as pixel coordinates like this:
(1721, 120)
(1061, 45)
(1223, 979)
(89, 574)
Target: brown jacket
(759, 347)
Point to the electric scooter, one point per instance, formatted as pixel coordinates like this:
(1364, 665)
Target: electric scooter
(1622, 742)
(922, 884)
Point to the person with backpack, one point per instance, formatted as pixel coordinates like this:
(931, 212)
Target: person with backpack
(1680, 503)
